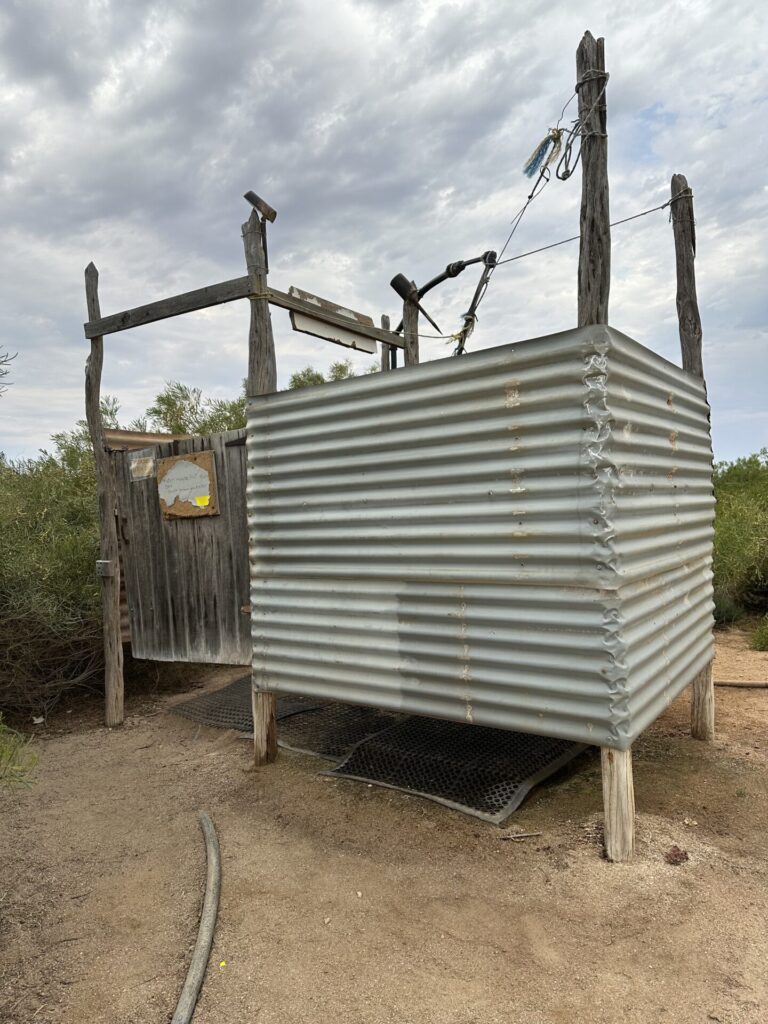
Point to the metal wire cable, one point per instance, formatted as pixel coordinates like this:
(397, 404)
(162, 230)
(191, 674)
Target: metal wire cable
(572, 238)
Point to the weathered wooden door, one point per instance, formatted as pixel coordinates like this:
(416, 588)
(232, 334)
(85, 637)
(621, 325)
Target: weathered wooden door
(184, 539)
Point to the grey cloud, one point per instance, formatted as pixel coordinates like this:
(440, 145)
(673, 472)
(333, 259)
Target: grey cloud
(389, 136)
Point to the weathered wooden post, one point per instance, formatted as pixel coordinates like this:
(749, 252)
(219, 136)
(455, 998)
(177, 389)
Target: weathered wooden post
(262, 380)
(411, 327)
(387, 351)
(689, 321)
(108, 566)
(594, 286)
(594, 278)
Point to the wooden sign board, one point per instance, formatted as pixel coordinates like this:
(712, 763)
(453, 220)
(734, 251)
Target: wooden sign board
(186, 486)
(320, 327)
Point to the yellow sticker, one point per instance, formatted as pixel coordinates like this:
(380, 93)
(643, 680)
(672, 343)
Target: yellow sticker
(202, 500)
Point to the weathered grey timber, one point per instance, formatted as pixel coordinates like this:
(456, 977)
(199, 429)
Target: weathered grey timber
(386, 350)
(411, 330)
(187, 579)
(594, 277)
(618, 804)
(262, 367)
(201, 298)
(262, 380)
(110, 580)
(689, 324)
(689, 321)
(215, 295)
(261, 205)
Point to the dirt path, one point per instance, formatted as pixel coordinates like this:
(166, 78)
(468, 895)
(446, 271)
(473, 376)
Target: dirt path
(344, 903)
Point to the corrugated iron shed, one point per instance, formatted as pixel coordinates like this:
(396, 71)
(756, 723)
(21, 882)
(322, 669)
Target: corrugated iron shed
(518, 538)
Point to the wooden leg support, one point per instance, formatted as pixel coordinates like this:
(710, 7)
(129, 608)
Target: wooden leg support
(264, 727)
(703, 706)
(619, 803)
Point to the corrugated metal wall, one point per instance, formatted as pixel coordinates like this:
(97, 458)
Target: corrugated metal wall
(520, 537)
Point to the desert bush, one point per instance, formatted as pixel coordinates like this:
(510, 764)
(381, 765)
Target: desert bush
(759, 639)
(741, 537)
(50, 631)
(17, 759)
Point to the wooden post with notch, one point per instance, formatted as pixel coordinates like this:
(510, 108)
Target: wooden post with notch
(262, 380)
(411, 329)
(108, 566)
(594, 277)
(689, 322)
(594, 286)
(387, 351)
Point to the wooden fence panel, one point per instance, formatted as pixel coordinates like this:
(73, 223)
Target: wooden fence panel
(186, 578)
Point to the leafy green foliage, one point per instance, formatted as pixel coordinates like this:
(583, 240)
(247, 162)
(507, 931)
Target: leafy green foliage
(49, 600)
(340, 370)
(180, 409)
(17, 759)
(741, 536)
(759, 639)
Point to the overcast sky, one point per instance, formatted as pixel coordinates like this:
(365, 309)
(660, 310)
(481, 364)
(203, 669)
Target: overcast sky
(389, 137)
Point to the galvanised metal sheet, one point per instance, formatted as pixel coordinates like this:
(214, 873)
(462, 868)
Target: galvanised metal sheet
(519, 538)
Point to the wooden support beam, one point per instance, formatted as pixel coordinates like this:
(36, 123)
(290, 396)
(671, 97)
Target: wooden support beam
(618, 803)
(689, 324)
(215, 295)
(594, 277)
(108, 566)
(388, 351)
(411, 329)
(703, 706)
(262, 380)
(689, 321)
(297, 305)
(201, 298)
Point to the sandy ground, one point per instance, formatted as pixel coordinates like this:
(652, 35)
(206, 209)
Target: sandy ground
(345, 903)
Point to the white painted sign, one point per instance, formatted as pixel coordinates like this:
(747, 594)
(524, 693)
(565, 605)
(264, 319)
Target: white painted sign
(321, 328)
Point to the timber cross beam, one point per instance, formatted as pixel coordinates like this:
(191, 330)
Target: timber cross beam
(229, 291)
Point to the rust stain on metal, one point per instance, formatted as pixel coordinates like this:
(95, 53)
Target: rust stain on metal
(186, 486)
(673, 439)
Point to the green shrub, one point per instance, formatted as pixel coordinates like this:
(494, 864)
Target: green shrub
(759, 639)
(741, 536)
(50, 616)
(16, 758)
(727, 611)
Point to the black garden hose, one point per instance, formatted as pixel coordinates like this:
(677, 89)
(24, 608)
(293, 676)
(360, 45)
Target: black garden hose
(202, 951)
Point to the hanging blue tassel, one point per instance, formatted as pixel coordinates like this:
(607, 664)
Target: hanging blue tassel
(539, 159)
(536, 159)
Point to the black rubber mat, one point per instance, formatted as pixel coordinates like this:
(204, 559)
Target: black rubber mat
(481, 771)
(230, 707)
(333, 730)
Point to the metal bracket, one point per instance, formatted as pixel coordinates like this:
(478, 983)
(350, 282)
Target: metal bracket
(105, 567)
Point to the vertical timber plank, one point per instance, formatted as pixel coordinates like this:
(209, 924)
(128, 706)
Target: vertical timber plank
(386, 350)
(618, 803)
(110, 583)
(703, 705)
(262, 380)
(689, 324)
(594, 276)
(411, 330)
(689, 320)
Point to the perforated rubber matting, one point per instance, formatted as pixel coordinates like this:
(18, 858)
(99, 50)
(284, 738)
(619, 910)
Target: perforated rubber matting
(230, 707)
(480, 771)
